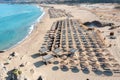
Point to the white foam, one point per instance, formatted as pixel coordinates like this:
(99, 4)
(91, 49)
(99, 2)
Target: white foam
(30, 29)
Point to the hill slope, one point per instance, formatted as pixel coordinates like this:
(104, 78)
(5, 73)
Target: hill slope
(70, 1)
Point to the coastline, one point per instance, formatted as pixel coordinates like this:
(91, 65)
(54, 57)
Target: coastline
(31, 28)
(30, 46)
(24, 47)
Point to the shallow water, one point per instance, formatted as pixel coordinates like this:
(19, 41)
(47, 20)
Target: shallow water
(15, 23)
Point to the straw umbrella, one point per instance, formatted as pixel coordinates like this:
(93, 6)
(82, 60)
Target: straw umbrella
(82, 54)
(99, 55)
(116, 65)
(112, 59)
(88, 49)
(84, 64)
(83, 59)
(97, 44)
(105, 50)
(109, 55)
(64, 62)
(97, 50)
(96, 65)
(91, 54)
(103, 59)
(64, 57)
(101, 52)
(105, 53)
(106, 66)
(73, 62)
(93, 59)
(74, 57)
(83, 48)
(61, 66)
(91, 49)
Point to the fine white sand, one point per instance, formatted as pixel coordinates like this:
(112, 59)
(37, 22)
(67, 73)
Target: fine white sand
(32, 44)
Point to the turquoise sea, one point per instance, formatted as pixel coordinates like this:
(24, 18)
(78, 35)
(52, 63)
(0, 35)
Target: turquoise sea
(16, 22)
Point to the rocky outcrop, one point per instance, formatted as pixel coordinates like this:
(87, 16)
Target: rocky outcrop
(69, 1)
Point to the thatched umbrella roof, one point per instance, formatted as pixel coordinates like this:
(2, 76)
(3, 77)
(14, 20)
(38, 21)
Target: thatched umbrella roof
(116, 65)
(106, 65)
(91, 54)
(83, 59)
(64, 57)
(82, 54)
(103, 59)
(61, 66)
(104, 53)
(73, 58)
(88, 49)
(109, 55)
(93, 59)
(87, 46)
(64, 62)
(105, 50)
(96, 65)
(83, 48)
(97, 50)
(91, 49)
(112, 59)
(85, 64)
(99, 55)
(73, 62)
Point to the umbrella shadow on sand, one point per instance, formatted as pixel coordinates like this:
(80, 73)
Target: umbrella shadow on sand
(55, 68)
(36, 55)
(75, 70)
(86, 71)
(108, 73)
(39, 64)
(98, 72)
(56, 62)
(64, 68)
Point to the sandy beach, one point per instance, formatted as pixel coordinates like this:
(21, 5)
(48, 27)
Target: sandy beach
(26, 50)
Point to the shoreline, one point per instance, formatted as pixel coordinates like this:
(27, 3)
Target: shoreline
(31, 29)
(26, 51)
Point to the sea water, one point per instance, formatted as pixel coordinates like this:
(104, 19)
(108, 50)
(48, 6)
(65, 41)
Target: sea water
(15, 22)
